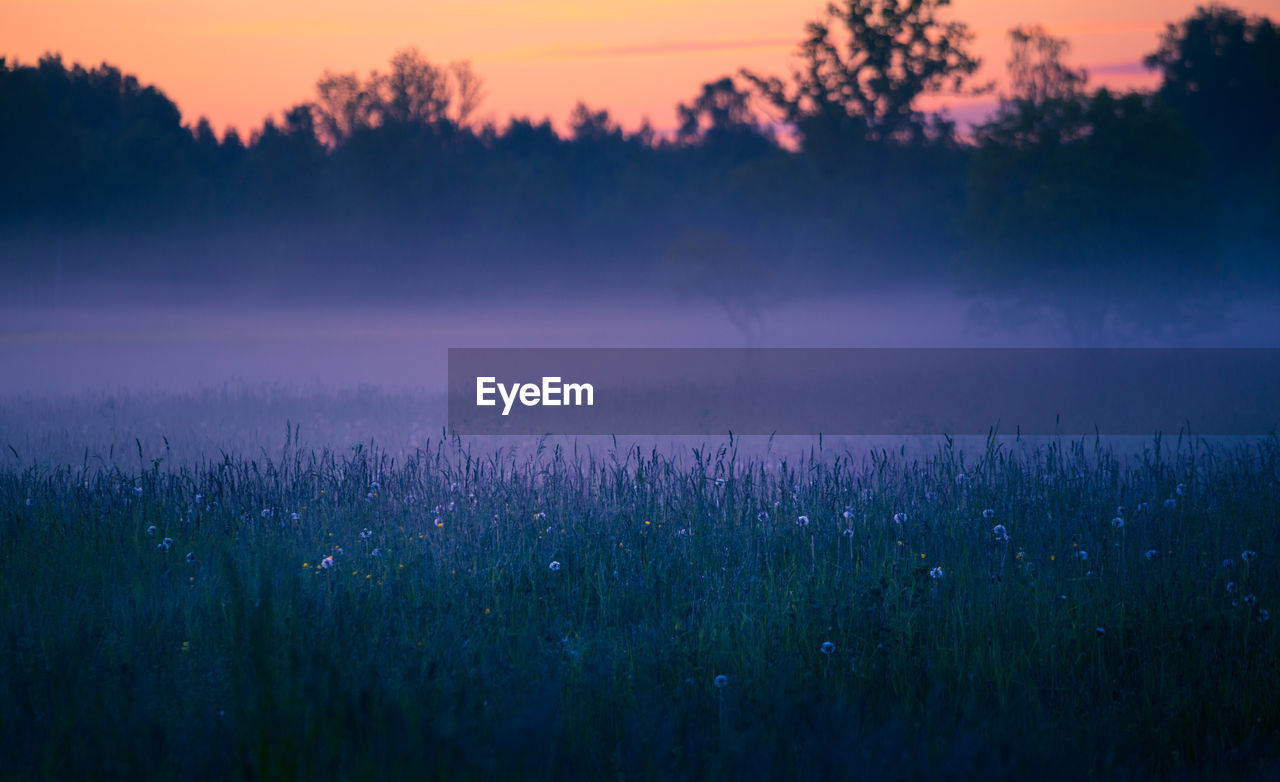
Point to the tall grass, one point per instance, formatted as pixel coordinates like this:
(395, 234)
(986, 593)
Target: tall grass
(355, 614)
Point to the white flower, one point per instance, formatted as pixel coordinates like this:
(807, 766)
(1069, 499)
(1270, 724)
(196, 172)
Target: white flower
(1250, 600)
(762, 516)
(191, 557)
(1082, 555)
(450, 505)
(199, 498)
(988, 513)
(294, 516)
(1143, 507)
(935, 573)
(961, 478)
(554, 565)
(848, 533)
(151, 530)
(165, 544)
(1180, 488)
(828, 647)
(1248, 556)
(375, 486)
(266, 513)
(1152, 554)
(539, 515)
(1119, 510)
(366, 533)
(1171, 503)
(1231, 587)
(721, 681)
(137, 489)
(338, 549)
(1000, 533)
(848, 514)
(327, 562)
(802, 521)
(1117, 522)
(377, 552)
(899, 517)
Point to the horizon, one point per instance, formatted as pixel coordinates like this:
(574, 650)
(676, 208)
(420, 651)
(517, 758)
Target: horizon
(625, 60)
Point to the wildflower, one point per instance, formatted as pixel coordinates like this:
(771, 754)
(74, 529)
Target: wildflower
(191, 557)
(1250, 600)
(1152, 554)
(1117, 522)
(337, 549)
(151, 530)
(1180, 488)
(554, 565)
(366, 533)
(721, 681)
(375, 486)
(450, 505)
(1000, 533)
(439, 523)
(1263, 614)
(327, 562)
(1228, 563)
(539, 515)
(848, 533)
(681, 533)
(266, 513)
(719, 481)
(1082, 555)
(1248, 556)
(988, 513)
(1119, 510)
(165, 544)
(294, 516)
(898, 518)
(828, 647)
(802, 521)
(1231, 587)
(377, 552)
(961, 479)
(453, 487)
(848, 514)
(936, 572)
(1171, 503)
(137, 489)
(199, 498)
(1101, 631)
(1143, 507)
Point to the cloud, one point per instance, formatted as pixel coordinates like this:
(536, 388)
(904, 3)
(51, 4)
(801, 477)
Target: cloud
(655, 49)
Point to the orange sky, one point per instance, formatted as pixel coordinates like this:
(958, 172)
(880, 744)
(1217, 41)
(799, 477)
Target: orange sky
(238, 61)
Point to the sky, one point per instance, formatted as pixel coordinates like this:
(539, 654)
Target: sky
(240, 61)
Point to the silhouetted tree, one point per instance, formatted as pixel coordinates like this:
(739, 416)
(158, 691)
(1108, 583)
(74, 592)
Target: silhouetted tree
(1221, 73)
(863, 83)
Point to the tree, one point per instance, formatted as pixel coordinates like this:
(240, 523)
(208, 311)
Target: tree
(414, 93)
(720, 112)
(863, 84)
(1221, 73)
(1047, 103)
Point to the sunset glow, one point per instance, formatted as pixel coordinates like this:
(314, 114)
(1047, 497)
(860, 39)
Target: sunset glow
(238, 61)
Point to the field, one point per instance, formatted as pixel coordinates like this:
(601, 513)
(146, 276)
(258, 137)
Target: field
(1065, 610)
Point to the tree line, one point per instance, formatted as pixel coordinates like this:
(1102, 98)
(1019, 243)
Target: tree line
(832, 172)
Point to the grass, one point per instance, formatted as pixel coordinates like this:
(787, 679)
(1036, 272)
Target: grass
(439, 641)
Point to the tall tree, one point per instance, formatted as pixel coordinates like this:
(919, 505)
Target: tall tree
(865, 64)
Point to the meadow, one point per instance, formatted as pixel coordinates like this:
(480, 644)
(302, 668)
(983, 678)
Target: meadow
(1065, 610)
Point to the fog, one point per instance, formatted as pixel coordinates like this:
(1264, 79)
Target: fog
(103, 380)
